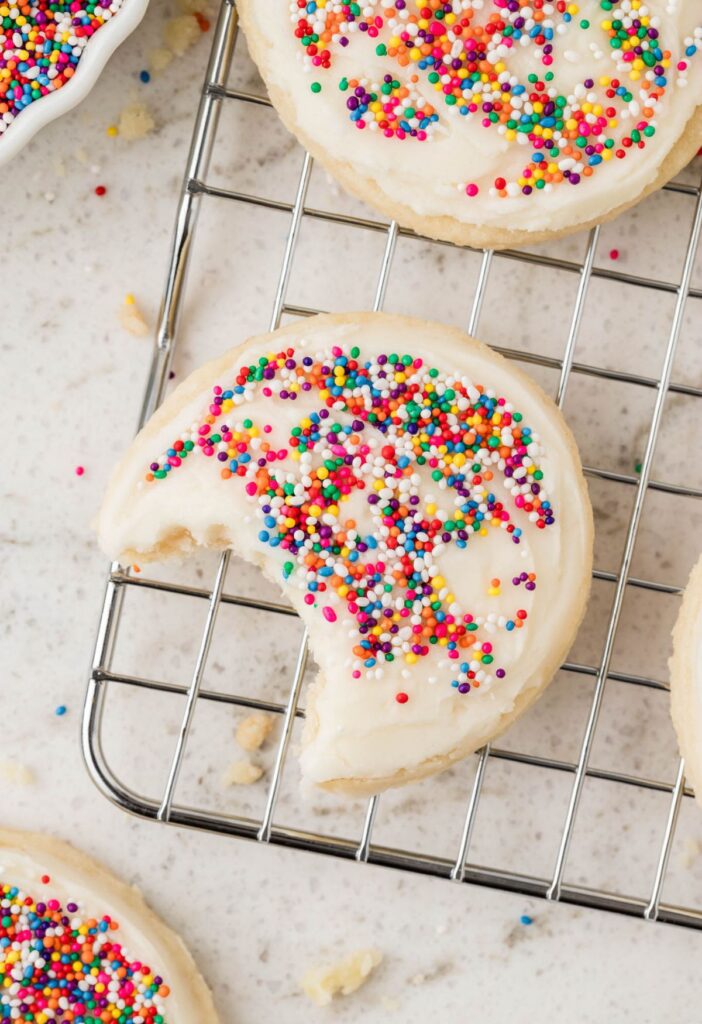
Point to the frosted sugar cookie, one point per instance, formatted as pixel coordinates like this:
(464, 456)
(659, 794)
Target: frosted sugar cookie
(686, 679)
(487, 122)
(77, 944)
(417, 498)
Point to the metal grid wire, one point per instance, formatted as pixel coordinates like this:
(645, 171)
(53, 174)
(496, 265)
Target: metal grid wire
(266, 829)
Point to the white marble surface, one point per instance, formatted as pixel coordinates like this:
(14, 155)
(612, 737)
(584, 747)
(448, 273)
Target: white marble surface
(71, 379)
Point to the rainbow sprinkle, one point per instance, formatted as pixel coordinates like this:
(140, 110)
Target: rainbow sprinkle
(41, 45)
(464, 51)
(386, 429)
(57, 965)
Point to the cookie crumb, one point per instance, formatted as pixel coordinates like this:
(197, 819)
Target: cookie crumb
(242, 773)
(252, 731)
(135, 122)
(15, 773)
(181, 33)
(159, 59)
(131, 317)
(321, 984)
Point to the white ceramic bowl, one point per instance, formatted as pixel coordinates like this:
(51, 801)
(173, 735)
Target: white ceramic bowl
(96, 54)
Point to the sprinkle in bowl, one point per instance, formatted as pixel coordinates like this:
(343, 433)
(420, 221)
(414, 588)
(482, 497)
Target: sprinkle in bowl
(51, 55)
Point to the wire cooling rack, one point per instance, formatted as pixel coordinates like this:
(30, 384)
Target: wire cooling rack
(265, 827)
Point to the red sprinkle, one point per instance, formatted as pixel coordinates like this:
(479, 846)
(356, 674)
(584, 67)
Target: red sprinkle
(401, 698)
(100, 190)
(614, 254)
(45, 879)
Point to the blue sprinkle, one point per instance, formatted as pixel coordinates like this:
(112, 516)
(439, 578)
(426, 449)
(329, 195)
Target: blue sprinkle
(145, 76)
(525, 919)
(61, 710)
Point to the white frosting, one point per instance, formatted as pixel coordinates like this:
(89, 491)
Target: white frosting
(430, 177)
(73, 879)
(360, 730)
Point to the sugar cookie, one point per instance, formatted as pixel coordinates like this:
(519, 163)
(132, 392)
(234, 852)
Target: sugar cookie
(78, 944)
(417, 498)
(487, 122)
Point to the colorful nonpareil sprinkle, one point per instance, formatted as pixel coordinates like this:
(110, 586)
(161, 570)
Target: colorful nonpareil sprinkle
(41, 45)
(385, 429)
(466, 50)
(58, 964)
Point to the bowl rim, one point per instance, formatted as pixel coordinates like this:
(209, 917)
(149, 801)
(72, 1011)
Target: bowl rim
(94, 58)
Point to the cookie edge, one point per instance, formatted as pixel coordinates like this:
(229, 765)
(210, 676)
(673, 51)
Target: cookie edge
(681, 666)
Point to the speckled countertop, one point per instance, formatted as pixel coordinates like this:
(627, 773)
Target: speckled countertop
(72, 378)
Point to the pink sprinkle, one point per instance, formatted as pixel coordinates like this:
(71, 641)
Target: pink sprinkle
(251, 488)
(614, 254)
(309, 599)
(472, 189)
(329, 613)
(80, 470)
